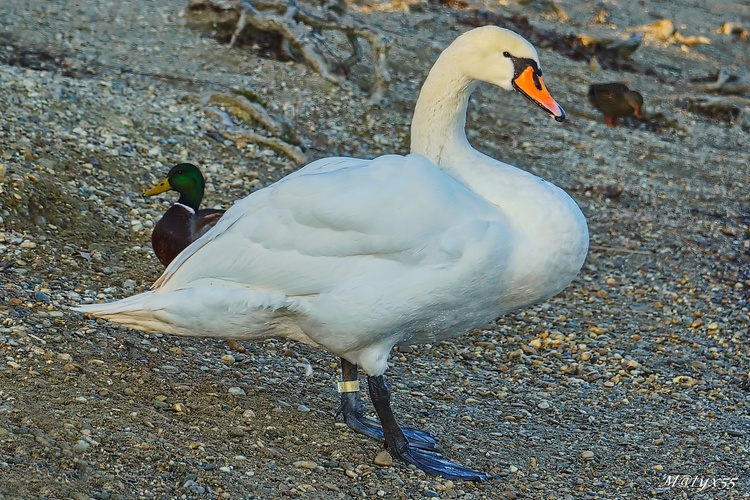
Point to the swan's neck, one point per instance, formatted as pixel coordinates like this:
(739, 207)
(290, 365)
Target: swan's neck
(440, 114)
(438, 132)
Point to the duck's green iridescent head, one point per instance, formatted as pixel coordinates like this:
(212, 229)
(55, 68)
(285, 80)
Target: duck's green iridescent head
(187, 180)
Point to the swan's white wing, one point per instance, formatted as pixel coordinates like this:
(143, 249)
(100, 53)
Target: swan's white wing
(343, 219)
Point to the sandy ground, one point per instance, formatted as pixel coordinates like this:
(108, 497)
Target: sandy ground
(632, 383)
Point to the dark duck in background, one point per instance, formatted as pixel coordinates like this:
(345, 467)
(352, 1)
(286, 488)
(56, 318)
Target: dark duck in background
(615, 101)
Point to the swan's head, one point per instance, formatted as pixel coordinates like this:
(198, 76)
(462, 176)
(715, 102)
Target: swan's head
(504, 58)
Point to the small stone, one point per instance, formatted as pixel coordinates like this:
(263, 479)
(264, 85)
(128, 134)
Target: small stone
(227, 359)
(225, 469)
(41, 296)
(248, 414)
(81, 446)
(383, 459)
(588, 455)
(543, 405)
(303, 408)
(685, 380)
(236, 391)
(193, 487)
(237, 432)
(305, 464)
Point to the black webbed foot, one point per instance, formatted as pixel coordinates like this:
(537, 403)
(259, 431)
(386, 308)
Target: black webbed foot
(353, 413)
(400, 446)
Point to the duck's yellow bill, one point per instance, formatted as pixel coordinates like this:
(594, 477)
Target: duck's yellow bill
(159, 188)
(530, 84)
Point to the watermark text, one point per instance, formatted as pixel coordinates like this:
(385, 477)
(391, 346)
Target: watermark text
(700, 483)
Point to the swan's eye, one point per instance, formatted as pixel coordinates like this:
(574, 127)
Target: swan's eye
(506, 53)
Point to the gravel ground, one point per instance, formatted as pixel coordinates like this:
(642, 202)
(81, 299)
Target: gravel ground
(638, 371)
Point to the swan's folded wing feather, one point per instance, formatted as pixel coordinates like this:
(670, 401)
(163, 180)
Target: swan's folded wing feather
(303, 235)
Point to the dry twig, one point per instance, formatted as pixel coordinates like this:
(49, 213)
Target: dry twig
(242, 137)
(302, 34)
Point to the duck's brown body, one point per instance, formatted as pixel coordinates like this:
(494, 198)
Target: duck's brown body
(178, 228)
(615, 101)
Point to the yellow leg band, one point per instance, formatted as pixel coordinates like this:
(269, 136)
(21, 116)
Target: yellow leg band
(349, 386)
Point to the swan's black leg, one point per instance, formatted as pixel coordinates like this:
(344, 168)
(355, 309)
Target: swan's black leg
(397, 443)
(352, 411)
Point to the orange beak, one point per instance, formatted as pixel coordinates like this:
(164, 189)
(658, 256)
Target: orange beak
(531, 85)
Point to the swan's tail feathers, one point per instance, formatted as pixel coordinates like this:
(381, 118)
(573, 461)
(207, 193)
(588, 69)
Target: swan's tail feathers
(206, 311)
(140, 312)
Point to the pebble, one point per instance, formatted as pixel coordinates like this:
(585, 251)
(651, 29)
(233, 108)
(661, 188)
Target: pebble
(237, 432)
(383, 459)
(588, 455)
(227, 359)
(248, 414)
(193, 487)
(81, 446)
(305, 464)
(303, 408)
(236, 391)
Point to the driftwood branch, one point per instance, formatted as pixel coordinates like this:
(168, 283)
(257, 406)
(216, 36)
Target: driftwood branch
(302, 32)
(247, 111)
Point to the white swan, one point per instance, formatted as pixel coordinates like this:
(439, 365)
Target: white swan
(360, 255)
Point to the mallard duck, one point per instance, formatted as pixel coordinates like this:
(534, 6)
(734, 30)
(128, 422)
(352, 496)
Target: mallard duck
(358, 256)
(184, 222)
(616, 101)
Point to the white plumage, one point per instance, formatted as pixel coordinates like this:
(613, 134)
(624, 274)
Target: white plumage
(360, 255)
